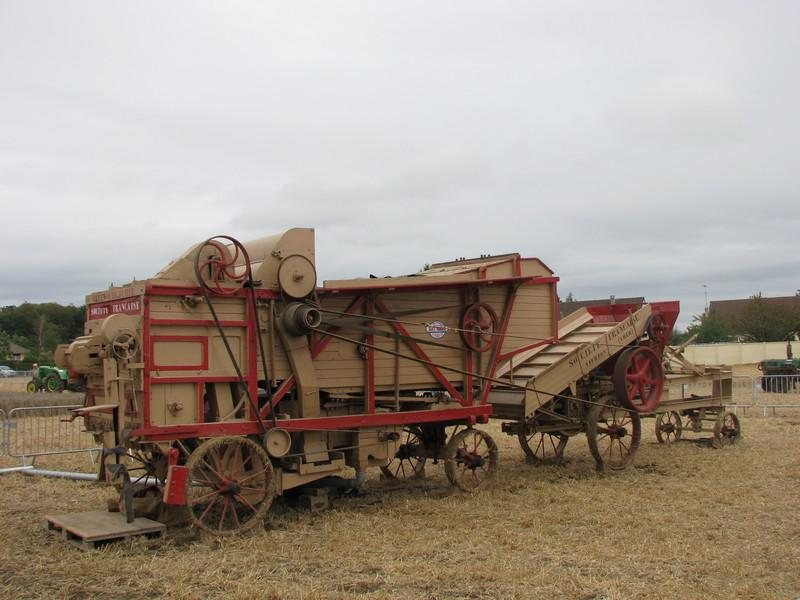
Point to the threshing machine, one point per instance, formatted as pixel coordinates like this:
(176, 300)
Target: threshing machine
(231, 377)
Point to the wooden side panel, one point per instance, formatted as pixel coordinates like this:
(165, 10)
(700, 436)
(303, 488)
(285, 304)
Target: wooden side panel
(532, 319)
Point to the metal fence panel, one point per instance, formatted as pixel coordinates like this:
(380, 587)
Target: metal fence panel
(778, 392)
(33, 431)
(3, 429)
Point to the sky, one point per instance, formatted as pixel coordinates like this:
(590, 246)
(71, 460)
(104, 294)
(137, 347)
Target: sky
(638, 148)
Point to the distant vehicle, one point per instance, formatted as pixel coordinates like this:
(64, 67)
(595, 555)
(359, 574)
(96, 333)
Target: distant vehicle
(48, 379)
(6, 371)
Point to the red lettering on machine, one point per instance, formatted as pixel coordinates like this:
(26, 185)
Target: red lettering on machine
(125, 306)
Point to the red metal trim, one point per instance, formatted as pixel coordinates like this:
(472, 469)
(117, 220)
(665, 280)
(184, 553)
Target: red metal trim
(554, 302)
(394, 287)
(499, 348)
(194, 379)
(469, 399)
(188, 290)
(511, 353)
(369, 309)
(147, 360)
(252, 359)
(203, 340)
(466, 414)
(542, 280)
(196, 323)
(421, 354)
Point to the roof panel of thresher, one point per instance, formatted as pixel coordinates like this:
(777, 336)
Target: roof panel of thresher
(503, 267)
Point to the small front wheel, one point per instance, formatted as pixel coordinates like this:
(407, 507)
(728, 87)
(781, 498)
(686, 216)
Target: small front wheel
(32, 387)
(407, 463)
(669, 427)
(470, 459)
(727, 430)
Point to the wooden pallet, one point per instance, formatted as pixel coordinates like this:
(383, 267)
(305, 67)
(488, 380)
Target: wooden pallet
(90, 530)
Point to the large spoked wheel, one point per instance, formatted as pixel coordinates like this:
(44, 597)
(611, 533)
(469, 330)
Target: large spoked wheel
(727, 430)
(217, 269)
(470, 459)
(407, 462)
(639, 379)
(230, 485)
(613, 434)
(543, 448)
(669, 427)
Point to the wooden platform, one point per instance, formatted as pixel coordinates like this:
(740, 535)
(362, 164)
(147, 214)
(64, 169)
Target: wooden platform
(89, 530)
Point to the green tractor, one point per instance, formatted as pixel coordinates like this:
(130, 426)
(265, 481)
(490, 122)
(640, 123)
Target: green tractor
(48, 379)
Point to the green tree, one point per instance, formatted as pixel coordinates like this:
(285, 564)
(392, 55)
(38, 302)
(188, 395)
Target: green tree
(5, 348)
(761, 322)
(709, 328)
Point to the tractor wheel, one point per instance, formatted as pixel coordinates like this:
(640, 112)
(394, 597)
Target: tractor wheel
(230, 485)
(31, 387)
(470, 459)
(613, 434)
(53, 384)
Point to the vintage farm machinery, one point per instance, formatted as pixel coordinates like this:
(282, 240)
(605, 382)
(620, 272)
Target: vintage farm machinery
(230, 377)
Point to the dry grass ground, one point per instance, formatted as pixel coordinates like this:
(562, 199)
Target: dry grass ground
(686, 521)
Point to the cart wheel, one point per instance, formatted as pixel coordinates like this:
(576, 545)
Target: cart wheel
(639, 379)
(613, 434)
(31, 387)
(727, 430)
(669, 427)
(543, 448)
(230, 485)
(470, 459)
(407, 464)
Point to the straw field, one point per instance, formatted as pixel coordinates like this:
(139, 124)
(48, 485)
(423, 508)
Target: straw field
(686, 521)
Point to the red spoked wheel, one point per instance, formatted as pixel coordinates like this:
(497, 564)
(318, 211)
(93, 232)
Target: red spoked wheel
(479, 326)
(658, 329)
(216, 268)
(639, 379)
(230, 485)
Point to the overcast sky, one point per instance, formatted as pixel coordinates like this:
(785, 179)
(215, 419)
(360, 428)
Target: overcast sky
(638, 148)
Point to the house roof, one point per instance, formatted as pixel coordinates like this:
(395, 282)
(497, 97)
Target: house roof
(17, 349)
(730, 310)
(567, 308)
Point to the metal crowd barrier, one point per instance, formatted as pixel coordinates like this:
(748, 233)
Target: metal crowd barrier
(33, 431)
(778, 392)
(3, 435)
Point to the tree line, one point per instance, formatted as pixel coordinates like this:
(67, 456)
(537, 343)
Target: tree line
(39, 328)
(758, 321)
